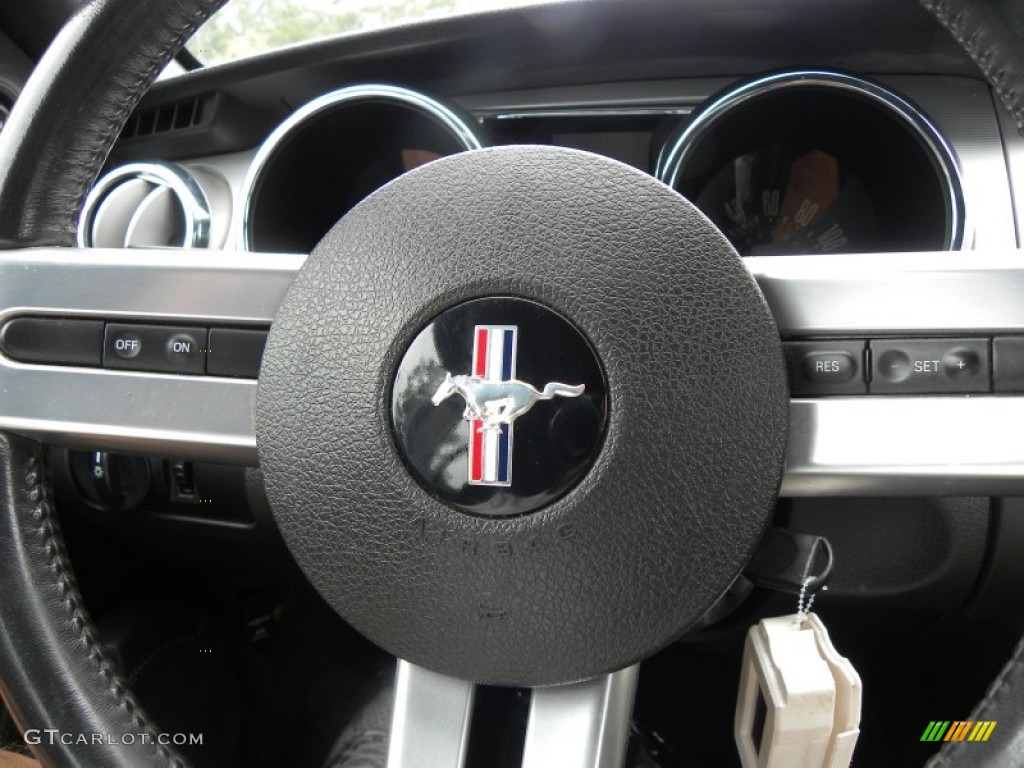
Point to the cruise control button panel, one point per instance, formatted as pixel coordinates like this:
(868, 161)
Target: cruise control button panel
(929, 366)
(817, 367)
(826, 367)
(180, 349)
(158, 348)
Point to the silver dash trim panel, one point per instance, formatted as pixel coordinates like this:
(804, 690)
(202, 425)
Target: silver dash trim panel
(838, 446)
(202, 417)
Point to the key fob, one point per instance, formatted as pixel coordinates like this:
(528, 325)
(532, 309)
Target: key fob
(799, 700)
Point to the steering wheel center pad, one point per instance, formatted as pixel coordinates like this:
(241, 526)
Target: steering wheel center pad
(674, 502)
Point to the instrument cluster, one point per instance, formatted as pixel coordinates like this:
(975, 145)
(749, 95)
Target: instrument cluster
(797, 162)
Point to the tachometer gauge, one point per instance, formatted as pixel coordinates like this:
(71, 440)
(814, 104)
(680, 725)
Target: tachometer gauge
(336, 150)
(818, 162)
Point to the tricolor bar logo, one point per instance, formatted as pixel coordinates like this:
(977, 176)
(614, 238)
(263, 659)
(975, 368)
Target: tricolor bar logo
(958, 730)
(490, 450)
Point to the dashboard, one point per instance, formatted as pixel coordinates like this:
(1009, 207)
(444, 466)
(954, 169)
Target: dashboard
(877, 138)
(882, 138)
(791, 141)
(784, 162)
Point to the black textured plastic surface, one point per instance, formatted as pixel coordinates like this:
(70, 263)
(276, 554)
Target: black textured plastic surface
(924, 555)
(675, 501)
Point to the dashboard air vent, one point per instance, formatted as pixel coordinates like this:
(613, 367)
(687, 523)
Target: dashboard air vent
(163, 118)
(145, 205)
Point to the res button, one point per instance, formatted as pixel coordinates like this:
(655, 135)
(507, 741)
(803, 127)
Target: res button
(826, 367)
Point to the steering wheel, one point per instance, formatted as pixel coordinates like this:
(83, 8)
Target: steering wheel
(650, 408)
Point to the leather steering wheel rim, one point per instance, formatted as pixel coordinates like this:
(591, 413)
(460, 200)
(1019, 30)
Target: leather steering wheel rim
(53, 671)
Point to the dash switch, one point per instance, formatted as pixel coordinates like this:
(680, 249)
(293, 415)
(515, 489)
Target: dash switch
(160, 348)
(52, 341)
(1008, 364)
(929, 366)
(235, 352)
(826, 367)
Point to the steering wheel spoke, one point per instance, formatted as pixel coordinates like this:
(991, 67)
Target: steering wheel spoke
(580, 725)
(430, 720)
(905, 446)
(203, 417)
(877, 445)
(900, 444)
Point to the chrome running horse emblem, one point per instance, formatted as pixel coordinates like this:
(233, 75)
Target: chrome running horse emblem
(494, 403)
(494, 400)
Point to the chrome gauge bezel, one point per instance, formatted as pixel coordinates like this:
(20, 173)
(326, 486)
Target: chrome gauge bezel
(461, 130)
(678, 150)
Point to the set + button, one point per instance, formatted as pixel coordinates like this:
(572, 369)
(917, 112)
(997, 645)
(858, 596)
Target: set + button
(929, 366)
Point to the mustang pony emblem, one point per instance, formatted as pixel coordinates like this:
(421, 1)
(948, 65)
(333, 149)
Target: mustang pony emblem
(494, 403)
(494, 400)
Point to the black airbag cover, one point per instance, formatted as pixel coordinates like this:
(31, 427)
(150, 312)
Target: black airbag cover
(675, 501)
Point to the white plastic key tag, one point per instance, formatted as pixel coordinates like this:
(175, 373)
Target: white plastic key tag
(799, 700)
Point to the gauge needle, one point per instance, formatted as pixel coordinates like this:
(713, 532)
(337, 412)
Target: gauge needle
(812, 188)
(414, 158)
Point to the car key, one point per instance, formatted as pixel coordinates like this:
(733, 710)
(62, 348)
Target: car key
(799, 700)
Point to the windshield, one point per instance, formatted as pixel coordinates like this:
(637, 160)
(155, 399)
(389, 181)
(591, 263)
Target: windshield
(245, 27)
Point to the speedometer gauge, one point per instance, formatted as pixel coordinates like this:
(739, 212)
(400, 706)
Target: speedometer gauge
(818, 162)
(787, 199)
